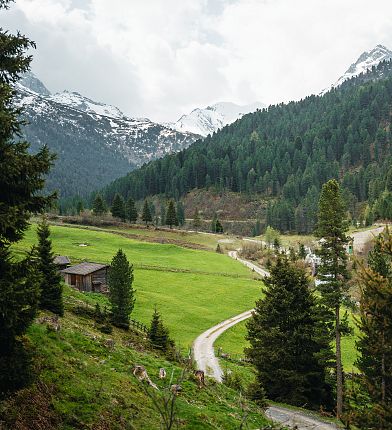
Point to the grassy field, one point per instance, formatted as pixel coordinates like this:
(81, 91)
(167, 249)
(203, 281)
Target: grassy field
(214, 288)
(85, 382)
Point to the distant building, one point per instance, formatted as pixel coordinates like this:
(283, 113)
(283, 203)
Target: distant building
(87, 276)
(62, 262)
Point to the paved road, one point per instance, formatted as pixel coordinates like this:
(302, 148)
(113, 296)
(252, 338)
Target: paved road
(203, 352)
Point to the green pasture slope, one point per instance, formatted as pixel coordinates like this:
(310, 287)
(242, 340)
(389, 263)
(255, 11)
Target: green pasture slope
(192, 289)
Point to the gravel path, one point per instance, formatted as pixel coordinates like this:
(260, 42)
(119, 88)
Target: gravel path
(203, 352)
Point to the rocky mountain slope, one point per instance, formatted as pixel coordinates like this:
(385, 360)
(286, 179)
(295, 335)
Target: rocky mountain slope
(205, 121)
(95, 142)
(365, 62)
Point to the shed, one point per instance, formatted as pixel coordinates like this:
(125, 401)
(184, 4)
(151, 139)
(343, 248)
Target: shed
(87, 276)
(62, 261)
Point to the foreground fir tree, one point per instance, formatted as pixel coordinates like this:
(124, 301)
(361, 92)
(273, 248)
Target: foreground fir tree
(158, 333)
(118, 207)
(171, 215)
(286, 345)
(131, 212)
(332, 272)
(21, 184)
(51, 294)
(99, 207)
(146, 214)
(121, 292)
(373, 404)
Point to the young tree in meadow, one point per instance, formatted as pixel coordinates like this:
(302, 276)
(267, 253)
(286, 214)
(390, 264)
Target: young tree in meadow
(171, 215)
(375, 340)
(118, 207)
(146, 214)
(272, 236)
(99, 207)
(332, 272)
(158, 333)
(131, 212)
(21, 194)
(196, 220)
(286, 342)
(121, 292)
(51, 297)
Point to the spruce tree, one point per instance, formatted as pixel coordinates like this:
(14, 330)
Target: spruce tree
(158, 333)
(131, 211)
(375, 340)
(21, 183)
(180, 213)
(99, 207)
(118, 207)
(285, 338)
(332, 272)
(196, 220)
(79, 207)
(171, 215)
(51, 294)
(121, 292)
(146, 214)
(213, 223)
(218, 227)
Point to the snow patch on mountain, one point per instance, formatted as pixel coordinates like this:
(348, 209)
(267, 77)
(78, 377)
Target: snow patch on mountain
(366, 61)
(204, 121)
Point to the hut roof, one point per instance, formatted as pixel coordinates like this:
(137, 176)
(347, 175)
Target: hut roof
(61, 260)
(84, 268)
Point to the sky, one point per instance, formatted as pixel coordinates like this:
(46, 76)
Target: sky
(162, 58)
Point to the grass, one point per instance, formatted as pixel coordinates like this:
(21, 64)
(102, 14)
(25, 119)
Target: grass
(85, 384)
(190, 302)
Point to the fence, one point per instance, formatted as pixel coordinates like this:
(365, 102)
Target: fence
(139, 326)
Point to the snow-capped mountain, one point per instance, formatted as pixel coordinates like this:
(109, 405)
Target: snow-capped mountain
(94, 142)
(366, 61)
(204, 121)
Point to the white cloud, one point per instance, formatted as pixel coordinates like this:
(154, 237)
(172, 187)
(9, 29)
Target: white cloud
(161, 58)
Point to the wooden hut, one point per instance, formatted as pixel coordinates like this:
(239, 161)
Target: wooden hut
(62, 262)
(87, 276)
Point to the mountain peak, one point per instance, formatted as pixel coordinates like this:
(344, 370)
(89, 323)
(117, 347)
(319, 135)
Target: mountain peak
(30, 82)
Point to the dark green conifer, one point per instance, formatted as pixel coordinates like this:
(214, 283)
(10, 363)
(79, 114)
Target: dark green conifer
(118, 207)
(79, 207)
(131, 211)
(146, 214)
(180, 213)
(171, 215)
(51, 295)
(196, 220)
(158, 333)
(121, 292)
(99, 207)
(286, 340)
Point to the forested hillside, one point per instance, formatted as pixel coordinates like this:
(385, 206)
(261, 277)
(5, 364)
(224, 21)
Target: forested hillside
(286, 152)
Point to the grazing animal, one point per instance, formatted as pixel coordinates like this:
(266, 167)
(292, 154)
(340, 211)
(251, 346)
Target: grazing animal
(141, 374)
(199, 374)
(176, 389)
(162, 373)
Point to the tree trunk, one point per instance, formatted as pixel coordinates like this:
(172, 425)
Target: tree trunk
(339, 369)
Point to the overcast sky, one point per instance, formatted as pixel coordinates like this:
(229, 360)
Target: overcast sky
(162, 58)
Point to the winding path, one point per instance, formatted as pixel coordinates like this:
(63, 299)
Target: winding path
(203, 352)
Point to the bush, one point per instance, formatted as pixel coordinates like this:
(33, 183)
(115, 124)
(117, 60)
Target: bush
(256, 393)
(232, 380)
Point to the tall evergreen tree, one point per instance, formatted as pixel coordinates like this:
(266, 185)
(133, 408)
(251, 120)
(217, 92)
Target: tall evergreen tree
(196, 220)
(286, 345)
(163, 214)
(218, 226)
(118, 207)
(131, 211)
(375, 341)
(171, 215)
(332, 272)
(79, 207)
(51, 297)
(180, 213)
(121, 292)
(213, 222)
(146, 214)
(99, 207)
(158, 333)
(21, 184)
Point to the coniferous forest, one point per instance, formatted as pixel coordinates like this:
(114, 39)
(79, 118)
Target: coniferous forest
(286, 152)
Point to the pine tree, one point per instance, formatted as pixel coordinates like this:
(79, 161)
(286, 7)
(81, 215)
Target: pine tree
(286, 342)
(213, 223)
(121, 293)
(79, 207)
(51, 297)
(118, 207)
(21, 184)
(163, 214)
(218, 227)
(196, 220)
(375, 341)
(171, 215)
(332, 272)
(158, 333)
(302, 251)
(131, 211)
(146, 214)
(99, 207)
